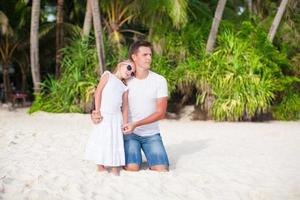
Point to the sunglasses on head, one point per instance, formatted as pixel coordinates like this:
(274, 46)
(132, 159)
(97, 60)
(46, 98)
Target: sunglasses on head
(129, 68)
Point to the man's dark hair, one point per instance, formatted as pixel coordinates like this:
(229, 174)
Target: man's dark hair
(134, 47)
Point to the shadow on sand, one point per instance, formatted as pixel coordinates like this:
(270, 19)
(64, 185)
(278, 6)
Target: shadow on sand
(176, 151)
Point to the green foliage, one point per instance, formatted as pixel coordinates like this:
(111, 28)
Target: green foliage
(155, 14)
(165, 68)
(178, 56)
(295, 62)
(177, 45)
(73, 91)
(242, 77)
(245, 75)
(190, 77)
(114, 55)
(289, 107)
(37, 104)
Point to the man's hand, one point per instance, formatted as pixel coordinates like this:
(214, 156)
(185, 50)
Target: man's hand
(128, 128)
(96, 117)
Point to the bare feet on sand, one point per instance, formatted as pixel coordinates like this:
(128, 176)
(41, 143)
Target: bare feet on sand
(101, 168)
(115, 171)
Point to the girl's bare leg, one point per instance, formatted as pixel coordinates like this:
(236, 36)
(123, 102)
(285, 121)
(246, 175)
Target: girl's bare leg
(115, 171)
(101, 168)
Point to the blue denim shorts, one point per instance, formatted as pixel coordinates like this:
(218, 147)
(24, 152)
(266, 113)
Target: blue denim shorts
(152, 147)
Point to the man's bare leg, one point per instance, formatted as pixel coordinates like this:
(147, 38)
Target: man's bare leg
(132, 167)
(160, 168)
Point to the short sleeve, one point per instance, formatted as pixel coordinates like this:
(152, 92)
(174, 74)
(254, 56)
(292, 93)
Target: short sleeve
(126, 88)
(104, 73)
(162, 90)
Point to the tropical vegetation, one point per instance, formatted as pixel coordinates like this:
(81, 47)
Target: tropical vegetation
(233, 60)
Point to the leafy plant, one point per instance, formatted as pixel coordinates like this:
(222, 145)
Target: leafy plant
(240, 79)
(246, 74)
(289, 107)
(73, 91)
(165, 68)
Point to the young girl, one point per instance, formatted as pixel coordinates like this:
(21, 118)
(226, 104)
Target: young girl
(105, 146)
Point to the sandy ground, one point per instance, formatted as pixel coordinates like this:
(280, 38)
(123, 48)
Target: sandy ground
(41, 157)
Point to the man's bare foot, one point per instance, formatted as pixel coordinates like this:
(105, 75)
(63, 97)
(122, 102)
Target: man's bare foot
(115, 171)
(101, 168)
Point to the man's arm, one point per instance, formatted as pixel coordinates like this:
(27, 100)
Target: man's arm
(161, 108)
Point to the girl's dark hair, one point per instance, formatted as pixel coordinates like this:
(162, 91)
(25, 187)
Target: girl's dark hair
(134, 47)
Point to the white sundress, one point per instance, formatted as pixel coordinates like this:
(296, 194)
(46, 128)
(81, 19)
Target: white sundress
(105, 145)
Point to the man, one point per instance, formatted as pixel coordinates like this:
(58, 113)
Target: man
(147, 97)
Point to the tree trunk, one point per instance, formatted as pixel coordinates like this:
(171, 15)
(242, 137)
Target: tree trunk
(59, 35)
(256, 7)
(24, 79)
(34, 45)
(6, 80)
(98, 34)
(209, 98)
(277, 20)
(87, 19)
(249, 2)
(214, 29)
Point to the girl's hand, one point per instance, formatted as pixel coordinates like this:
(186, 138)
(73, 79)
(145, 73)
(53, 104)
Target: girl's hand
(96, 117)
(128, 128)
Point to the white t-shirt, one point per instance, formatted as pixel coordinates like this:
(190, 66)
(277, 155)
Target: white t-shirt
(142, 98)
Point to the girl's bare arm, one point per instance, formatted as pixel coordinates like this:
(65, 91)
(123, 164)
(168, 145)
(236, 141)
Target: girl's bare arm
(98, 93)
(125, 107)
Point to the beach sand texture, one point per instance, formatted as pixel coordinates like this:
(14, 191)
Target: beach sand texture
(41, 158)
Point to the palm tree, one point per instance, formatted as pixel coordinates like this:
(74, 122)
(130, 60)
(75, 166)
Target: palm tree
(214, 28)
(250, 5)
(22, 59)
(98, 34)
(4, 25)
(7, 47)
(14, 46)
(258, 7)
(59, 35)
(34, 45)
(277, 20)
(117, 14)
(151, 13)
(148, 13)
(12, 50)
(87, 19)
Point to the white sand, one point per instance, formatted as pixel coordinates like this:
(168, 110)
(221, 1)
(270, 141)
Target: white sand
(41, 157)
